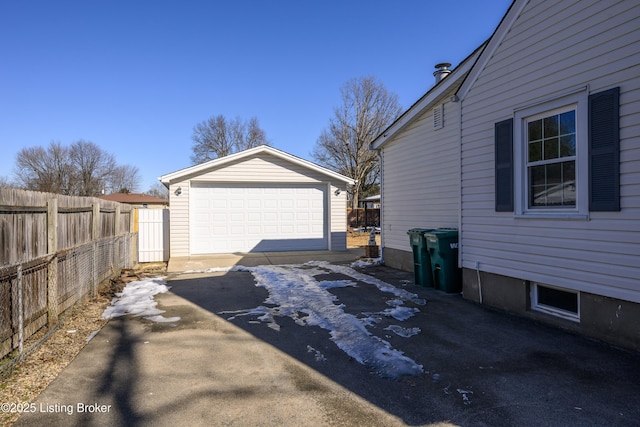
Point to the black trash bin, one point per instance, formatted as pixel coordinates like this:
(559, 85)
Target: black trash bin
(442, 246)
(421, 262)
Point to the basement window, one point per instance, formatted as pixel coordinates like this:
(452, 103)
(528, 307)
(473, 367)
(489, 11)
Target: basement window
(555, 301)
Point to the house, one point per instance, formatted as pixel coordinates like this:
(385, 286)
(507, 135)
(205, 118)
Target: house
(371, 202)
(419, 158)
(537, 163)
(258, 200)
(550, 167)
(138, 200)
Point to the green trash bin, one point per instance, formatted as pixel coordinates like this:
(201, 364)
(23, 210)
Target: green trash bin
(442, 245)
(421, 262)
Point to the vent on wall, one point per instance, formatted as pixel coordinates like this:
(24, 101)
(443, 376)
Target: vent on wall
(438, 117)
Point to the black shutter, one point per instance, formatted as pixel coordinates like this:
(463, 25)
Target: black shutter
(504, 165)
(604, 151)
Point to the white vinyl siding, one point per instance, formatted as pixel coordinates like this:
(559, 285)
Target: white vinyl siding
(421, 187)
(179, 219)
(553, 47)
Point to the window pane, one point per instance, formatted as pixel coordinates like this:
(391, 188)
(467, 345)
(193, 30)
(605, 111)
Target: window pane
(550, 126)
(568, 122)
(567, 301)
(554, 173)
(569, 180)
(535, 151)
(568, 146)
(537, 175)
(551, 148)
(537, 186)
(552, 183)
(535, 130)
(569, 171)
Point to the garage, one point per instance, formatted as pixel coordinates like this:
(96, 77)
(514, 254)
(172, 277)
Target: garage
(258, 200)
(257, 218)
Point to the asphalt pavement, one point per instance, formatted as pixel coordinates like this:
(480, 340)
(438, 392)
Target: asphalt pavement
(480, 367)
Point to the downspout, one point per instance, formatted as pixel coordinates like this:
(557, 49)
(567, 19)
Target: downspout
(458, 101)
(381, 159)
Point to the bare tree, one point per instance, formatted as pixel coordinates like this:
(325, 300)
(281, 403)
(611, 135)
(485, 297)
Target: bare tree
(5, 182)
(82, 169)
(367, 109)
(159, 190)
(93, 167)
(124, 179)
(218, 137)
(47, 170)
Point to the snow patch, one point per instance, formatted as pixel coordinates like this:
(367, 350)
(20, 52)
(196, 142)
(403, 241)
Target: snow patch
(317, 354)
(137, 300)
(366, 262)
(295, 293)
(402, 332)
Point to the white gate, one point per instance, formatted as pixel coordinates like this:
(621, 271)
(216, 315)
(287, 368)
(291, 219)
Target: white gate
(153, 234)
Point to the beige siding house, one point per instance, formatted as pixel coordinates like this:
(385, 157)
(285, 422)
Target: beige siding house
(550, 167)
(261, 199)
(420, 180)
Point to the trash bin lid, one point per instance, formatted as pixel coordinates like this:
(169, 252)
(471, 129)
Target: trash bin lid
(419, 230)
(442, 233)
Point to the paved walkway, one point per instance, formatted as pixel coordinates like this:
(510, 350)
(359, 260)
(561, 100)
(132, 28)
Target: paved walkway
(481, 367)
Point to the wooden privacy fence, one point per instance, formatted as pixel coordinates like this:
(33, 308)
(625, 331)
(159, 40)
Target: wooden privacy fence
(54, 251)
(361, 217)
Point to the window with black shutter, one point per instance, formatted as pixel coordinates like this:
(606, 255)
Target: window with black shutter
(560, 157)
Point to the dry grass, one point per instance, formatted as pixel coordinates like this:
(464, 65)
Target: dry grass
(32, 375)
(358, 240)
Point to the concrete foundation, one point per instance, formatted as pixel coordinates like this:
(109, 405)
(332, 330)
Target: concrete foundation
(607, 319)
(395, 258)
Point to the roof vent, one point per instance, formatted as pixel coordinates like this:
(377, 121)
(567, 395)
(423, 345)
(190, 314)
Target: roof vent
(442, 71)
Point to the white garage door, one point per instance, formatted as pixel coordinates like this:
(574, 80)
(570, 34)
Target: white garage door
(257, 218)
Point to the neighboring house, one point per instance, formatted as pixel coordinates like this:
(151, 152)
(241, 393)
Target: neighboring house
(371, 202)
(257, 200)
(137, 200)
(419, 158)
(550, 167)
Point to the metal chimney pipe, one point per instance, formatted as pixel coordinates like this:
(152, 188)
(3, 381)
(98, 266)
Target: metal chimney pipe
(442, 71)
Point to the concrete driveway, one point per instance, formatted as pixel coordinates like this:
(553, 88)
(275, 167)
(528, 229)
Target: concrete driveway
(479, 367)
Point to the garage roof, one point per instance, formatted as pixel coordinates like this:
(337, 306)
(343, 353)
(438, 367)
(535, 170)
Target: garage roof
(202, 167)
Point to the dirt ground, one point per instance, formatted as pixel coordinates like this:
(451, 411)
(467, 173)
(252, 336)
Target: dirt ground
(356, 240)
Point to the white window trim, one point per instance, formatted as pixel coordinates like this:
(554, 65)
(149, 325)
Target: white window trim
(579, 99)
(554, 311)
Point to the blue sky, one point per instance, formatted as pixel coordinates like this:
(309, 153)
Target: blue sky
(135, 77)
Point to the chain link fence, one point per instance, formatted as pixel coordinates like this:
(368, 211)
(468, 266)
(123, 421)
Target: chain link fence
(25, 288)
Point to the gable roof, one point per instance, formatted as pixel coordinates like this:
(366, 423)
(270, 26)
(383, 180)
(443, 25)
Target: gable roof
(262, 149)
(428, 99)
(493, 43)
(134, 198)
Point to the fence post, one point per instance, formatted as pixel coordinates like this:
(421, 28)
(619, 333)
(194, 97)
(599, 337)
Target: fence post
(52, 270)
(134, 240)
(95, 229)
(117, 256)
(95, 236)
